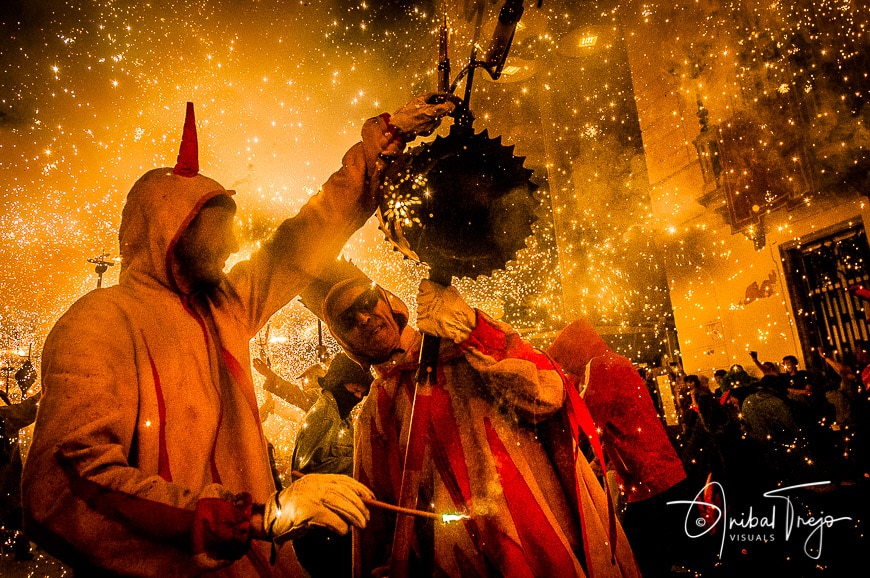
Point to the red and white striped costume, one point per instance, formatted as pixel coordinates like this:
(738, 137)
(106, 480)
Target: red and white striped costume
(502, 448)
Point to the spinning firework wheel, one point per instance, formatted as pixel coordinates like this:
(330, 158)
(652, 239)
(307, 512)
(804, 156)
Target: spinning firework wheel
(463, 204)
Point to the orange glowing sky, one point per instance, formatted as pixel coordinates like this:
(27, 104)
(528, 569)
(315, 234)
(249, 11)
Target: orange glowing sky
(93, 96)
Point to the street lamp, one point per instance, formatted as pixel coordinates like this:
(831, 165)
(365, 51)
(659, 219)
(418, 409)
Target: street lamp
(102, 265)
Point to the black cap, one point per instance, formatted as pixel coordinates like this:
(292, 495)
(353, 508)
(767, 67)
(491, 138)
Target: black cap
(343, 370)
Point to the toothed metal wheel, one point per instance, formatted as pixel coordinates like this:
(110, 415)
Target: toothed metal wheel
(463, 204)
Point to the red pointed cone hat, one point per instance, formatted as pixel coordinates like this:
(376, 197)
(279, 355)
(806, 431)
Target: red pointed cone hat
(188, 153)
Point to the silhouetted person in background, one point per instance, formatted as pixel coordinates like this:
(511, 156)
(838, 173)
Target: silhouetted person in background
(13, 418)
(325, 446)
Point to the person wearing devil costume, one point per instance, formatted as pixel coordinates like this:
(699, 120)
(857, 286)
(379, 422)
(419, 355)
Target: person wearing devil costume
(500, 448)
(148, 456)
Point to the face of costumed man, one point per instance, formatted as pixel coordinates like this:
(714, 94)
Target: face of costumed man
(361, 317)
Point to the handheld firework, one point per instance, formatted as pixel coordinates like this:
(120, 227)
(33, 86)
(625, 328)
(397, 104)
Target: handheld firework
(443, 518)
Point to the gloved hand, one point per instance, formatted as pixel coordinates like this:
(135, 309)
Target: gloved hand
(332, 501)
(442, 312)
(418, 117)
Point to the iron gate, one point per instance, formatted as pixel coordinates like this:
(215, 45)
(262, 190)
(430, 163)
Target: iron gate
(819, 274)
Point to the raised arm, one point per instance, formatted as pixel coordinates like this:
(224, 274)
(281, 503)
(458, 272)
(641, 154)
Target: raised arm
(289, 392)
(303, 245)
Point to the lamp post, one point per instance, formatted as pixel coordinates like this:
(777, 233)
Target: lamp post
(102, 265)
(7, 371)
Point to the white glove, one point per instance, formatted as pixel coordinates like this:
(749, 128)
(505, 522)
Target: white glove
(418, 117)
(442, 312)
(331, 501)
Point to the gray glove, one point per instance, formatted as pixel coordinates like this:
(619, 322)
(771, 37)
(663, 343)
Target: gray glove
(442, 312)
(419, 118)
(330, 501)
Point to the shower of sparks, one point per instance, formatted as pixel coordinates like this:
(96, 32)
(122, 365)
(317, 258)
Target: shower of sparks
(401, 208)
(92, 95)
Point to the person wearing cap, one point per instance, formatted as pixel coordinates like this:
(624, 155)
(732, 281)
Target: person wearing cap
(498, 447)
(148, 455)
(325, 446)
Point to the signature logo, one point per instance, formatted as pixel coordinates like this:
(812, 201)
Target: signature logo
(708, 511)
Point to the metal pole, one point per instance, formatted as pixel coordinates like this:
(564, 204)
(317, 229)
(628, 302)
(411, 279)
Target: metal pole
(415, 449)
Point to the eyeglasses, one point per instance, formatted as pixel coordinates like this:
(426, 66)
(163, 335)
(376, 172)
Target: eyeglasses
(364, 303)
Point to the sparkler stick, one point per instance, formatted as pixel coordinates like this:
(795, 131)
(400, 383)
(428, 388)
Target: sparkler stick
(408, 511)
(443, 518)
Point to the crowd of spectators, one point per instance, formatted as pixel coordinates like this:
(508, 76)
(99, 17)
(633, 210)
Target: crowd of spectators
(775, 423)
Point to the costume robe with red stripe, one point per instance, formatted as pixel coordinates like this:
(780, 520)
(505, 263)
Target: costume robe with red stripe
(148, 447)
(496, 400)
(619, 402)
